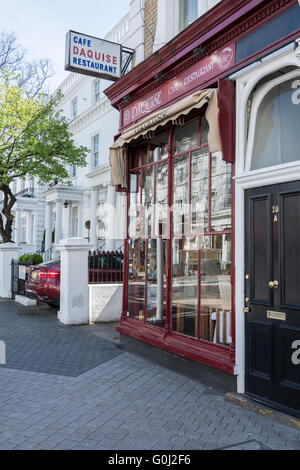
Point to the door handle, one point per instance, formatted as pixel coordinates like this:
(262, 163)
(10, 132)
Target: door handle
(273, 284)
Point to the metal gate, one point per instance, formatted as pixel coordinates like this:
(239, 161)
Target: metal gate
(18, 278)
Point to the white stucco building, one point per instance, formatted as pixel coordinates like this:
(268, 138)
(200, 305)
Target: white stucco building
(90, 207)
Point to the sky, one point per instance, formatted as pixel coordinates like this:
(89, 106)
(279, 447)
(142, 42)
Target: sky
(41, 25)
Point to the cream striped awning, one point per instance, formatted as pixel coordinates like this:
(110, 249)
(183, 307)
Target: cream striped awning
(118, 152)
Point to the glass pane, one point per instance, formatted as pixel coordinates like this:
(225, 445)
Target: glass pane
(161, 207)
(134, 207)
(277, 137)
(215, 311)
(138, 157)
(136, 278)
(188, 13)
(156, 282)
(158, 148)
(147, 201)
(181, 195)
(187, 136)
(220, 193)
(199, 190)
(185, 286)
(204, 130)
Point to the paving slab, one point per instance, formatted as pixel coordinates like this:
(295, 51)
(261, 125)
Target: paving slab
(66, 387)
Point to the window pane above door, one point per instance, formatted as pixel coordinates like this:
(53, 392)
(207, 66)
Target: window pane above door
(277, 137)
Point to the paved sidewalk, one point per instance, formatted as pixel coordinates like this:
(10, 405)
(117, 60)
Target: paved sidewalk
(72, 388)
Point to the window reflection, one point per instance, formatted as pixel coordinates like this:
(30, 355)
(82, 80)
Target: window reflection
(220, 193)
(204, 131)
(156, 282)
(134, 206)
(215, 311)
(181, 194)
(277, 137)
(187, 137)
(136, 278)
(184, 286)
(158, 148)
(161, 205)
(199, 190)
(147, 201)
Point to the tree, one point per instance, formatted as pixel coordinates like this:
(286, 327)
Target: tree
(34, 142)
(31, 76)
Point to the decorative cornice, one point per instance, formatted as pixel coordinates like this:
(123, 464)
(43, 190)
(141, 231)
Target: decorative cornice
(90, 115)
(227, 22)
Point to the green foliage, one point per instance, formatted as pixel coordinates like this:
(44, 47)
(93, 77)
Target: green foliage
(34, 142)
(30, 259)
(34, 137)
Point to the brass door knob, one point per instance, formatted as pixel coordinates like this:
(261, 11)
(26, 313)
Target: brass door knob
(246, 310)
(273, 284)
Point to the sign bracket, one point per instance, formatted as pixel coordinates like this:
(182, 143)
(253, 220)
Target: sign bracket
(127, 55)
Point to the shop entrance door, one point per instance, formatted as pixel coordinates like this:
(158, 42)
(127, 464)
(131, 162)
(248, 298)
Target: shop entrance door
(272, 303)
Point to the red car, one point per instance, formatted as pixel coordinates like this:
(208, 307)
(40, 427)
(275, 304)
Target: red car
(43, 282)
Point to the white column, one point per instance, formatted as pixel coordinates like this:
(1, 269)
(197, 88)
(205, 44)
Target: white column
(74, 294)
(8, 252)
(18, 226)
(58, 224)
(111, 219)
(80, 218)
(93, 219)
(48, 226)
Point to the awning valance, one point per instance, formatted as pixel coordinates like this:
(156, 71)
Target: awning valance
(118, 152)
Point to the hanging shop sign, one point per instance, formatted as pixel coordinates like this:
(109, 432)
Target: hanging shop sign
(92, 56)
(191, 79)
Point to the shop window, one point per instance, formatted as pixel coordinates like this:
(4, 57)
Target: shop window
(276, 138)
(180, 197)
(199, 190)
(185, 286)
(161, 200)
(156, 285)
(134, 206)
(136, 279)
(158, 148)
(147, 206)
(187, 137)
(180, 194)
(215, 295)
(220, 194)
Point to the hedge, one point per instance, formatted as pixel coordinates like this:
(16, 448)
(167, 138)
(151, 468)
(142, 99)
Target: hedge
(30, 259)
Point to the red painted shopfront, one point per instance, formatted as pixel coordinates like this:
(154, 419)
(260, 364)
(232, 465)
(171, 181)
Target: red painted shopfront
(175, 160)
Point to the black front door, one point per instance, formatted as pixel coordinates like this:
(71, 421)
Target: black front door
(272, 299)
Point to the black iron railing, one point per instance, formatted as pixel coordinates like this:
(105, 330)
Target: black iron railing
(105, 267)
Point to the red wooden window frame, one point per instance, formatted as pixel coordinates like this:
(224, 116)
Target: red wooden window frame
(217, 348)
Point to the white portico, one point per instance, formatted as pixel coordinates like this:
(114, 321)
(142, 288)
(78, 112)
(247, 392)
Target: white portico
(105, 214)
(63, 214)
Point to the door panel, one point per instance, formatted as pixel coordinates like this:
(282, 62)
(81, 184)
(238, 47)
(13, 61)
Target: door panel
(261, 339)
(261, 249)
(290, 249)
(272, 301)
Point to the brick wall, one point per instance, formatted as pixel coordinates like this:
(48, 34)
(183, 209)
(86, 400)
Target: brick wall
(150, 25)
